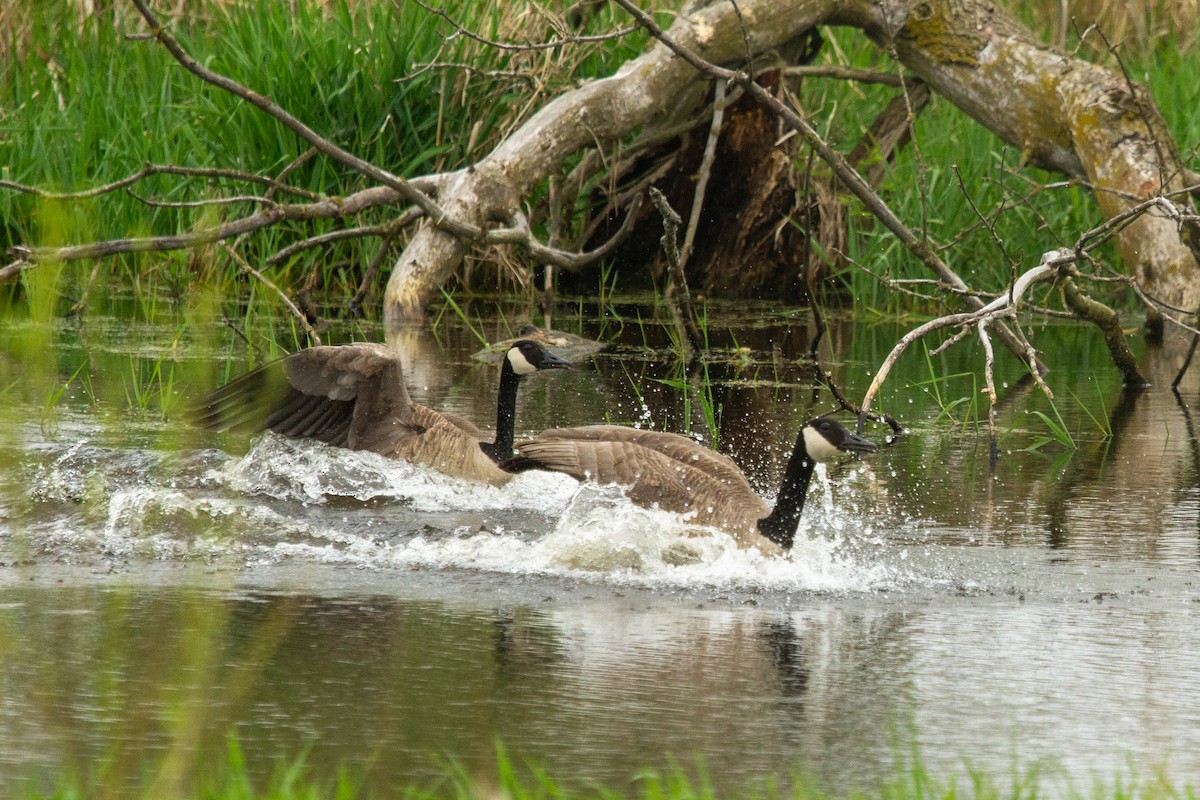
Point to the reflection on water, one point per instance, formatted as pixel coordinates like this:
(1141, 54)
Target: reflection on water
(161, 588)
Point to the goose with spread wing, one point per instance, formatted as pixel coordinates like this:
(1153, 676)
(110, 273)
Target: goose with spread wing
(353, 396)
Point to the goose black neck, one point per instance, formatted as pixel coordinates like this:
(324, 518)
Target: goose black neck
(780, 525)
(506, 413)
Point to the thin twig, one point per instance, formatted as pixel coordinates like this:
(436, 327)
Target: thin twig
(387, 230)
(296, 312)
(706, 162)
(521, 234)
(15, 268)
(212, 201)
(678, 297)
(825, 377)
(164, 169)
(1001, 307)
(989, 359)
(515, 74)
(843, 73)
(565, 42)
(555, 202)
(368, 279)
(950, 342)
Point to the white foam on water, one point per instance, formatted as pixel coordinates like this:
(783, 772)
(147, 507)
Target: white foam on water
(289, 501)
(603, 537)
(309, 472)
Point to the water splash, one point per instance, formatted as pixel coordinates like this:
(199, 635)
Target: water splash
(307, 472)
(296, 501)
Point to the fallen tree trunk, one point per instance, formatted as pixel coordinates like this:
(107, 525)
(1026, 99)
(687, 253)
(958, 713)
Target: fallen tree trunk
(645, 91)
(1064, 113)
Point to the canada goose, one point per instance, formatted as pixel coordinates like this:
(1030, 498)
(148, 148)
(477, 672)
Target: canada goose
(353, 396)
(675, 473)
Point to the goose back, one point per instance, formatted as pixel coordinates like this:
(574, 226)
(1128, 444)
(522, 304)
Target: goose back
(658, 469)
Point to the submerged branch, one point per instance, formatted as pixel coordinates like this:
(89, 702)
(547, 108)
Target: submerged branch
(1002, 307)
(1109, 323)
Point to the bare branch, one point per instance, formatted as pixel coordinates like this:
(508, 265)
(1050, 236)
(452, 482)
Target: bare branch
(1113, 225)
(1109, 323)
(212, 201)
(163, 169)
(514, 74)
(989, 359)
(844, 73)
(387, 230)
(296, 312)
(953, 340)
(521, 235)
(355, 305)
(678, 298)
(1004, 306)
(706, 162)
(15, 268)
(330, 207)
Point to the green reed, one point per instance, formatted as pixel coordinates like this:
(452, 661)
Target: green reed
(233, 778)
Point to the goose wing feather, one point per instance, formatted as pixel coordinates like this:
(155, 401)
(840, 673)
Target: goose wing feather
(315, 393)
(424, 436)
(349, 396)
(653, 477)
(671, 445)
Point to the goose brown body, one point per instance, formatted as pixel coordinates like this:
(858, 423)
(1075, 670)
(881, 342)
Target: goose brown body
(353, 396)
(675, 473)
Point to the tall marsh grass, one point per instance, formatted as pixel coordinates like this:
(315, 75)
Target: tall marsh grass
(82, 104)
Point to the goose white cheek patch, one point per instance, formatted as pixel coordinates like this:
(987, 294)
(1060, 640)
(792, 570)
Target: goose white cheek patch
(519, 363)
(819, 448)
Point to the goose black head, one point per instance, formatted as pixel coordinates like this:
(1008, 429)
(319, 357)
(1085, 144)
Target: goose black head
(526, 357)
(825, 438)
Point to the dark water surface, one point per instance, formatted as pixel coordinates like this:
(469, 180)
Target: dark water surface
(162, 588)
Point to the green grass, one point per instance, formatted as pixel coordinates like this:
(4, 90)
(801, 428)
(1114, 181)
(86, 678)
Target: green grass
(922, 186)
(353, 72)
(516, 779)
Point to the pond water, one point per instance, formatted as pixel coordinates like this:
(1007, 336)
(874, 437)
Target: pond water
(163, 588)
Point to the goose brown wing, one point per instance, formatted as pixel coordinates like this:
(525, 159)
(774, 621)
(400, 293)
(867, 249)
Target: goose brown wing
(651, 476)
(316, 393)
(673, 446)
(441, 441)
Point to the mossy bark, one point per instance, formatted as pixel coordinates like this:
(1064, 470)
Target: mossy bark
(1065, 114)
